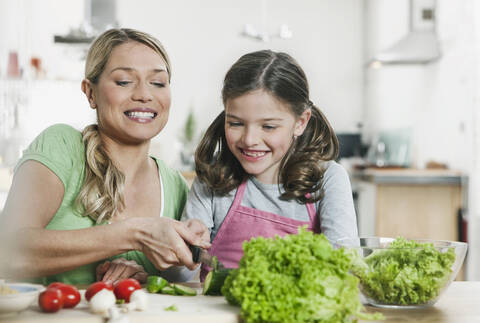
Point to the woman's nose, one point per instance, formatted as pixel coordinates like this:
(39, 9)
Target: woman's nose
(142, 93)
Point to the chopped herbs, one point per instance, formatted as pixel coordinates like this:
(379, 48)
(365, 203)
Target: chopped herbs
(171, 308)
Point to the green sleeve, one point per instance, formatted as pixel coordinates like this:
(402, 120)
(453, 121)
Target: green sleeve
(60, 148)
(175, 191)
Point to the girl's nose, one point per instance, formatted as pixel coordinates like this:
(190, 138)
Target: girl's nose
(142, 93)
(249, 137)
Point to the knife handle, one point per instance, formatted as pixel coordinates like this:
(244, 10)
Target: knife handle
(195, 250)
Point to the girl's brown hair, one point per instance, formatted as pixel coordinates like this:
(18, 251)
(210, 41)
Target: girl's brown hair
(301, 170)
(102, 193)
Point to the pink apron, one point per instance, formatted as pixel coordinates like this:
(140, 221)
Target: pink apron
(243, 223)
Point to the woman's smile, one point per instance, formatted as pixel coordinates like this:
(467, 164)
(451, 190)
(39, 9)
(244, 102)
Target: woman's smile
(141, 115)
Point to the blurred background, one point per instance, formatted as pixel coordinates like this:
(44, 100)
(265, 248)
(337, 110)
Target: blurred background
(398, 80)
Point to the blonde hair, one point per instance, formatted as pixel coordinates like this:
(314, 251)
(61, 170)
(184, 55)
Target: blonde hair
(102, 193)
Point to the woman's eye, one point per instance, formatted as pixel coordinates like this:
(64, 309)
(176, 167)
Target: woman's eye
(158, 84)
(122, 83)
(269, 127)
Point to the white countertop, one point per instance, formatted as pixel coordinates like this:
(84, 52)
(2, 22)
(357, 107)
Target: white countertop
(460, 303)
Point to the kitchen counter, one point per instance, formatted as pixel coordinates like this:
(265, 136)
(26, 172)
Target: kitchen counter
(460, 303)
(410, 176)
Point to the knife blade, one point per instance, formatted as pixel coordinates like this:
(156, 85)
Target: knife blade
(200, 255)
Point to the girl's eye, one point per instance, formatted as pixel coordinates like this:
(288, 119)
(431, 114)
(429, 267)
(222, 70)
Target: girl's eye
(122, 83)
(269, 127)
(234, 124)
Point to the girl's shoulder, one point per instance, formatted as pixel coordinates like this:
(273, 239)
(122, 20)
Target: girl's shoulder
(334, 176)
(201, 189)
(333, 169)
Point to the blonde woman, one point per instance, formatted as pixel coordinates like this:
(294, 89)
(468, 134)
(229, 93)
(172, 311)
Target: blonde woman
(79, 198)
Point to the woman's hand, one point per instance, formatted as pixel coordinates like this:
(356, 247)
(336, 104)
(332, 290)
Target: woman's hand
(199, 229)
(120, 268)
(164, 241)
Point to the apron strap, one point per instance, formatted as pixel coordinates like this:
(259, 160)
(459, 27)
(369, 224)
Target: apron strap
(239, 195)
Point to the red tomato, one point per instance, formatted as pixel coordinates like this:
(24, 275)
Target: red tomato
(95, 288)
(125, 287)
(50, 300)
(71, 295)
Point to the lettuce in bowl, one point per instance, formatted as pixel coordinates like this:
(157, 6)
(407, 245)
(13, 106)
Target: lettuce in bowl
(404, 273)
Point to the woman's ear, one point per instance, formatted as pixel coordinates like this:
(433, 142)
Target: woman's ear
(87, 88)
(302, 122)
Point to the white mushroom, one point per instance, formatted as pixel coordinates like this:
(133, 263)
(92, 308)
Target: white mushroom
(116, 316)
(138, 300)
(102, 301)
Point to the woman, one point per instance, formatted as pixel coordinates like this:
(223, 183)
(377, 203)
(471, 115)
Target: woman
(78, 198)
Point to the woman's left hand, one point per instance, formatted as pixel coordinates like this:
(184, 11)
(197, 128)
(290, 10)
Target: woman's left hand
(120, 268)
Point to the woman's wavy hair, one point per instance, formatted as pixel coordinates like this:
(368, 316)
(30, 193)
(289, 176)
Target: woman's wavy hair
(301, 169)
(102, 193)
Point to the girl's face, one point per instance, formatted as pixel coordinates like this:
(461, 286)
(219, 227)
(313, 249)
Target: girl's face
(259, 130)
(132, 96)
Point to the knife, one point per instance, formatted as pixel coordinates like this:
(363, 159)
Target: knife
(200, 255)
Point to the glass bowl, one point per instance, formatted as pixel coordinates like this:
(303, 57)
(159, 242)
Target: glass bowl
(407, 273)
(16, 297)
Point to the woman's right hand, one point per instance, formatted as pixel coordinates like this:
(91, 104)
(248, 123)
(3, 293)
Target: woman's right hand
(164, 241)
(120, 268)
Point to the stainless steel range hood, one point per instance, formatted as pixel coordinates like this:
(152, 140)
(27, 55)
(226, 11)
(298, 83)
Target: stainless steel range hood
(420, 45)
(99, 16)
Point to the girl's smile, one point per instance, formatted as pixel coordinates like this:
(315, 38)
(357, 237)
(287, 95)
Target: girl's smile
(253, 154)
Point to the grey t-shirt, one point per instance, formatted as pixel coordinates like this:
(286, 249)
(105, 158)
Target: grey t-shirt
(335, 209)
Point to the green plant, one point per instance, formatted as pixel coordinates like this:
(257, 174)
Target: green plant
(190, 127)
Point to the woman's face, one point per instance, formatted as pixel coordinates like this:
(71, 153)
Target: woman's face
(132, 96)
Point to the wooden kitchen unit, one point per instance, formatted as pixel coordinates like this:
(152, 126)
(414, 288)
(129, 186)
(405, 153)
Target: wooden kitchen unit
(421, 204)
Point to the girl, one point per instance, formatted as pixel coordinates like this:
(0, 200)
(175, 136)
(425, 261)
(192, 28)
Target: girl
(266, 164)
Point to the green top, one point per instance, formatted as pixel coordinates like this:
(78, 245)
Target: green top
(61, 149)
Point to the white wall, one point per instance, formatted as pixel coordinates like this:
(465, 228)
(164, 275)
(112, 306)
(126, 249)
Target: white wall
(203, 40)
(435, 100)
(439, 102)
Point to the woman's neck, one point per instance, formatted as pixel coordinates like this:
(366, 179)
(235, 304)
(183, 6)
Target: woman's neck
(129, 159)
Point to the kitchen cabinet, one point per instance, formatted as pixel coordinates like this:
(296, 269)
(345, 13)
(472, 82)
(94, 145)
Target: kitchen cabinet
(410, 203)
